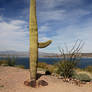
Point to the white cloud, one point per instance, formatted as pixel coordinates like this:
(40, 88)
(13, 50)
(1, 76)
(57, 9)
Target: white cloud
(50, 4)
(17, 22)
(69, 14)
(72, 33)
(65, 14)
(62, 15)
(44, 28)
(13, 35)
(56, 15)
(69, 35)
(61, 10)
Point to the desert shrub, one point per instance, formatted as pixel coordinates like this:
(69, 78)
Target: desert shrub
(66, 68)
(11, 61)
(51, 68)
(42, 65)
(8, 62)
(82, 77)
(46, 66)
(20, 66)
(69, 60)
(75, 75)
(3, 62)
(89, 69)
(47, 73)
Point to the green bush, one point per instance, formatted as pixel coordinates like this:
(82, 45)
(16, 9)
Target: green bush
(82, 77)
(8, 62)
(66, 68)
(46, 66)
(42, 65)
(20, 66)
(11, 61)
(89, 69)
(3, 62)
(70, 58)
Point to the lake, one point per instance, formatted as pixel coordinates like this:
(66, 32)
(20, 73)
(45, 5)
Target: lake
(84, 62)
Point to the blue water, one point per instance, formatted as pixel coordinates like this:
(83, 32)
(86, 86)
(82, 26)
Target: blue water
(84, 62)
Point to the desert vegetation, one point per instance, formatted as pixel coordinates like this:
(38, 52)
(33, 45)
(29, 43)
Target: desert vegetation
(89, 69)
(34, 44)
(10, 61)
(67, 66)
(63, 75)
(70, 59)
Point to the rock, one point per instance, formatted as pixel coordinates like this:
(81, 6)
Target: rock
(27, 83)
(1, 86)
(47, 73)
(42, 83)
(33, 84)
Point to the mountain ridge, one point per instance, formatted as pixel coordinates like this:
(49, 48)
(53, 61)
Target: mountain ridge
(41, 54)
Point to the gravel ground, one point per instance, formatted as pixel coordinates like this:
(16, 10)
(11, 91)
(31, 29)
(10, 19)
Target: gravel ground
(12, 80)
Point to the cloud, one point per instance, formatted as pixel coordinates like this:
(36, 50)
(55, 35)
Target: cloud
(45, 28)
(62, 16)
(13, 35)
(50, 4)
(72, 33)
(62, 11)
(54, 15)
(63, 21)
(69, 35)
(68, 19)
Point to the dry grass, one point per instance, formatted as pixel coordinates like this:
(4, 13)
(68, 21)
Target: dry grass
(81, 71)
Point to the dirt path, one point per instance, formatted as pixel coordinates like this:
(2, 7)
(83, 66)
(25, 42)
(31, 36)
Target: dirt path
(12, 80)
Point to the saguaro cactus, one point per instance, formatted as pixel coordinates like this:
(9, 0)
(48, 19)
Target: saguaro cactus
(34, 44)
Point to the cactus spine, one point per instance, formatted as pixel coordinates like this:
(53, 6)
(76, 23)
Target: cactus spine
(34, 45)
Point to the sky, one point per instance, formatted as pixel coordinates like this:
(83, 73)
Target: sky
(62, 21)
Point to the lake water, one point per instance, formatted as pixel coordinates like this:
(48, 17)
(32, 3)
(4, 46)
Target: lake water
(84, 62)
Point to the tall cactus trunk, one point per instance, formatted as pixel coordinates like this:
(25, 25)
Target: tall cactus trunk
(34, 45)
(33, 41)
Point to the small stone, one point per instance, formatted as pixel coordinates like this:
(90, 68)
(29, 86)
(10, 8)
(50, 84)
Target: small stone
(26, 83)
(1, 86)
(42, 83)
(33, 84)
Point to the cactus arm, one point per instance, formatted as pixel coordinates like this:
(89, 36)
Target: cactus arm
(44, 44)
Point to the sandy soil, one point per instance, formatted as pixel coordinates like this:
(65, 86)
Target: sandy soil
(12, 80)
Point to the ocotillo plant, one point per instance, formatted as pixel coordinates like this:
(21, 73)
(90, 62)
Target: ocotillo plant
(34, 45)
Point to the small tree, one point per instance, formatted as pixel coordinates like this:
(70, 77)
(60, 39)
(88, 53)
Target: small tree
(69, 60)
(11, 61)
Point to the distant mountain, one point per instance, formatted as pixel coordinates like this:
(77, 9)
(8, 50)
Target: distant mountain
(41, 54)
(87, 54)
(24, 54)
(14, 53)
